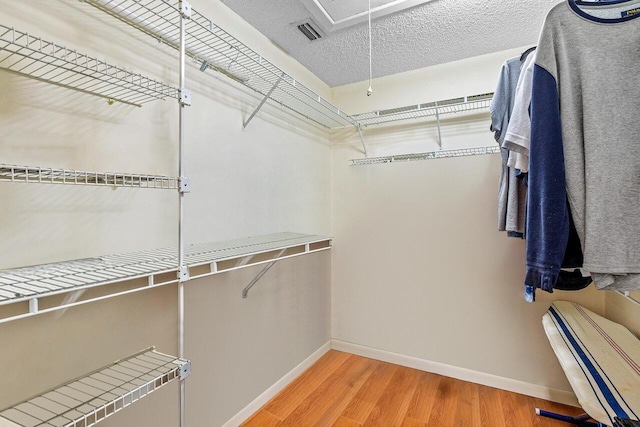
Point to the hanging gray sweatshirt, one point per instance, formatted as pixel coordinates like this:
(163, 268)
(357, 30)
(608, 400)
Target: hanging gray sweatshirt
(585, 136)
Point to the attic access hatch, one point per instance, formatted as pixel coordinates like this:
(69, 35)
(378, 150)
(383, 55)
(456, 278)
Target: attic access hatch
(333, 15)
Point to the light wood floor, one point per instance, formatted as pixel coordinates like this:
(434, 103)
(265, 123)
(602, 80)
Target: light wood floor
(343, 390)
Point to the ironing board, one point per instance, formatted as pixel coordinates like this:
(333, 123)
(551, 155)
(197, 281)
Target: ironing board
(601, 360)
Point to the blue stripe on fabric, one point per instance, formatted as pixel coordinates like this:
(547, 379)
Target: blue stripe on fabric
(555, 322)
(622, 399)
(606, 392)
(575, 6)
(601, 2)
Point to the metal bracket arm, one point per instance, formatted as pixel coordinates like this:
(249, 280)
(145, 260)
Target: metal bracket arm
(364, 147)
(245, 291)
(438, 123)
(245, 124)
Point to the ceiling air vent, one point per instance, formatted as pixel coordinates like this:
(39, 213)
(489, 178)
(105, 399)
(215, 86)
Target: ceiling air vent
(308, 30)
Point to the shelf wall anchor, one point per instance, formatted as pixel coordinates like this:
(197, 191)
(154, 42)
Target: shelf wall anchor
(245, 124)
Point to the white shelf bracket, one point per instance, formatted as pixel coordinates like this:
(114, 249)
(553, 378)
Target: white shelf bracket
(183, 273)
(245, 124)
(438, 124)
(245, 291)
(185, 184)
(364, 147)
(185, 371)
(185, 97)
(185, 9)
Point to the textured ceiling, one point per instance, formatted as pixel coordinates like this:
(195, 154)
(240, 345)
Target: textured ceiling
(333, 15)
(433, 33)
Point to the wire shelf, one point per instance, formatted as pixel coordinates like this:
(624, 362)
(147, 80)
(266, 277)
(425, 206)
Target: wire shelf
(213, 48)
(431, 109)
(158, 266)
(33, 57)
(39, 175)
(86, 401)
(441, 154)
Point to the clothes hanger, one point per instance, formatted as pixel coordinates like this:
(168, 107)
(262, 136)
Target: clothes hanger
(526, 53)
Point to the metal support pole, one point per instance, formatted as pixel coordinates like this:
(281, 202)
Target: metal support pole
(245, 124)
(364, 147)
(438, 123)
(183, 272)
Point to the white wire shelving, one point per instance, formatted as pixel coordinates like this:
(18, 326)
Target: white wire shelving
(40, 175)
(30, 56)
(155, 268)
(85, 401)
(435, 109)
(213, 48)
(440, 154)
(429, 109)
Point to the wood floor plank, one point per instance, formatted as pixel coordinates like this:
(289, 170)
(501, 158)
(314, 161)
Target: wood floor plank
(288, 400)
(412, 422)
(445, 404)
(515, 410)
(345, 422)
(392, 406)
(262, 419)
(468, 406)
(529, 416)
(424, 397)
(491, 413)
(365, 400)
(325, 405)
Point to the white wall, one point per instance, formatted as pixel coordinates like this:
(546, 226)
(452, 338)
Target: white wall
(419, 267)
(273, 177)
(625, 311)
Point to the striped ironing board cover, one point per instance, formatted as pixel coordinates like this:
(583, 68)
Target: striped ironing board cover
(600, 358)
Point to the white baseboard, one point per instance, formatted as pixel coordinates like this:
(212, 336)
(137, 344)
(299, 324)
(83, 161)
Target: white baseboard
(252, 407)
(516, 386)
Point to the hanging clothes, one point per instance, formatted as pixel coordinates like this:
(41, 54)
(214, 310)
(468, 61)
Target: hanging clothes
(516, 139)
(584, 143)
(512, 191)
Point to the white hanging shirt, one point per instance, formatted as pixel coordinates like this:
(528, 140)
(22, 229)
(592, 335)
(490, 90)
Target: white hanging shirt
(518, 133)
